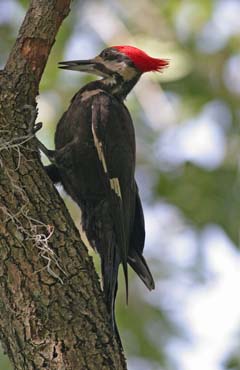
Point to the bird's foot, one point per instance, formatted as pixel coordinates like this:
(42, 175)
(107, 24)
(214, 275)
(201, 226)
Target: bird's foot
(34, 128)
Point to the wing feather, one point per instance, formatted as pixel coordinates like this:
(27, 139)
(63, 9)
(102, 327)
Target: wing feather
(114, 196)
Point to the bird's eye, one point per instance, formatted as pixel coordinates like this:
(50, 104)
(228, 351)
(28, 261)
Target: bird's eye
(105, 53)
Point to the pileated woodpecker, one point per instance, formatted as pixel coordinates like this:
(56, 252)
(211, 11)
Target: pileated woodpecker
(94, 160)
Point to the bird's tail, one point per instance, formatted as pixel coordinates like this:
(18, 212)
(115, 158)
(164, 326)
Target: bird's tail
(109, 269)
(139, 265)
(135, 254)
(110, 302)
(110, 286)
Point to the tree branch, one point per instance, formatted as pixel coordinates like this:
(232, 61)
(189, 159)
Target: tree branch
(52, 314)
(35, 40)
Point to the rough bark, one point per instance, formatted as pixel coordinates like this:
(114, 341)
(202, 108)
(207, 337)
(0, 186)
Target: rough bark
(52, 314)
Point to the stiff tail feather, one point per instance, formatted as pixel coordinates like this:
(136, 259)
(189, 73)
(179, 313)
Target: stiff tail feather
(110, 261)
(139, 265)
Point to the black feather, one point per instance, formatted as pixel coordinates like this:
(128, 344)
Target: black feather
(135, 257)
(114, 224)
(54, 173)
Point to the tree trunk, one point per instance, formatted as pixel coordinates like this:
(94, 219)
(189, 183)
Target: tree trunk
(52, 313)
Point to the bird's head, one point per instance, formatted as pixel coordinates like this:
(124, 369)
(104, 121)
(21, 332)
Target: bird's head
(125, 62)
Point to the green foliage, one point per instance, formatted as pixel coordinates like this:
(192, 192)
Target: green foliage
(4, 361)
(205, 197)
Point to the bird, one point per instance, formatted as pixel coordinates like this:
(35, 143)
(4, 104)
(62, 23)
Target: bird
(94, 159)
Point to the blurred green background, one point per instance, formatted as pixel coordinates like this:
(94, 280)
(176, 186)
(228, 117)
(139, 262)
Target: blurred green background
(187, 128)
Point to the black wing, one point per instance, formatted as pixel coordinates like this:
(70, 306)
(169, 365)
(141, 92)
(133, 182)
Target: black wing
(135, 257)
(116, 169)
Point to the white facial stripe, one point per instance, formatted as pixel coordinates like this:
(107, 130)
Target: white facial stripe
(115, 186)
(88, 94)
(99, 148)
(121, 68)
(111, 80)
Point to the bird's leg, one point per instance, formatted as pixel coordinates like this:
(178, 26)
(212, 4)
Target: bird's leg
(51, 154)
(35, 127)
(52, 169)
